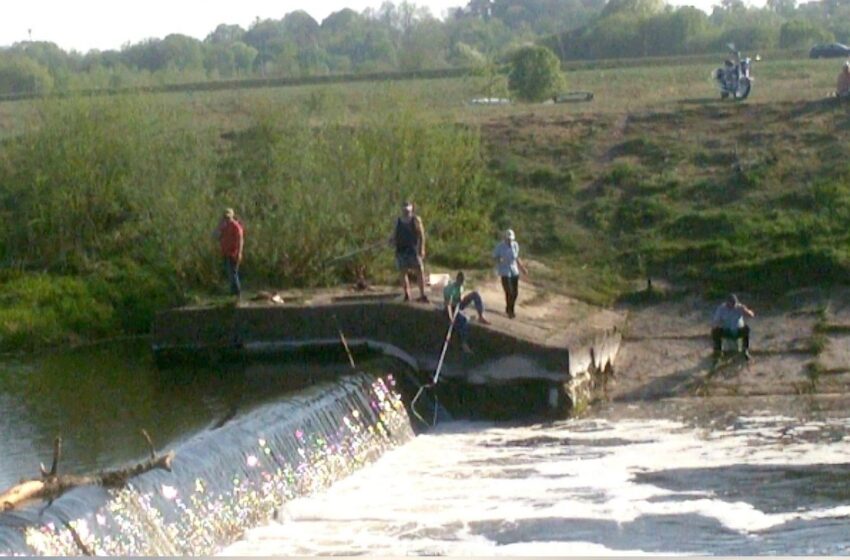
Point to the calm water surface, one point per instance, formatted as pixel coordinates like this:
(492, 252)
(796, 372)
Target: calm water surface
(98, 399)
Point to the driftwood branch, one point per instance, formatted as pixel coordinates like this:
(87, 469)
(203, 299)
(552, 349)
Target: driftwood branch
(51, 485)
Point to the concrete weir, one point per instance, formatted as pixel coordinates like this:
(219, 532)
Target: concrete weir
(552, 360)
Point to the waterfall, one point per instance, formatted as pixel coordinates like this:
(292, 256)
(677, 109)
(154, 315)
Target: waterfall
(224, 480)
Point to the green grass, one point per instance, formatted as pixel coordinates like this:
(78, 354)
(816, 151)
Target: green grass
(627, 87)
(655, 177)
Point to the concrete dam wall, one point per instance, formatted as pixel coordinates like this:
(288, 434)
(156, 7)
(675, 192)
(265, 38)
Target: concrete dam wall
(551, 365)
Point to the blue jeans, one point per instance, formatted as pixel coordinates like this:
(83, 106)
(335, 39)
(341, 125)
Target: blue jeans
(461, 322)
(231, 268)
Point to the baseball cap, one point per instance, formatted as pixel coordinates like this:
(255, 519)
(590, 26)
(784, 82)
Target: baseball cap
(509, 234)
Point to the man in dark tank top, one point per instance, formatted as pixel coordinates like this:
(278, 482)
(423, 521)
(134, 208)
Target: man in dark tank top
(409, 242)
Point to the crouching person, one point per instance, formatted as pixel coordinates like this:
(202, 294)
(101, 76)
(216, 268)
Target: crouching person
(729, 322)
(456, 302)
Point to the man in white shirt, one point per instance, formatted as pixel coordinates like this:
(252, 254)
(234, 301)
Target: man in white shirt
(729, 322)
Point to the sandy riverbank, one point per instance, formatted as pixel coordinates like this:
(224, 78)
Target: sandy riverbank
(800, 344)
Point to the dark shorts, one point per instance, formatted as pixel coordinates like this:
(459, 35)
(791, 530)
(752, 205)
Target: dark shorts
(407, 261)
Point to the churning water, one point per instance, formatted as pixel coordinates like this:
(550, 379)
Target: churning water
(713, 477)
(335, 469)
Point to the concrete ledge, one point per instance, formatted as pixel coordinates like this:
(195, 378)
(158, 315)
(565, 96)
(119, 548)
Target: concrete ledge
(559, 371)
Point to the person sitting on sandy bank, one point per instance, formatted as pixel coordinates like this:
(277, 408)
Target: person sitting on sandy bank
(456, 302)
(729, 322)
(842, 87)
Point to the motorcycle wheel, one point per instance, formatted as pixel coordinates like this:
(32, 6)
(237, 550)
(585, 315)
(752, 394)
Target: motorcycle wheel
(743, 90)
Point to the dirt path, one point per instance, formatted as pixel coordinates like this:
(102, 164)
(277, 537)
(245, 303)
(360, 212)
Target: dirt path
(540, 314)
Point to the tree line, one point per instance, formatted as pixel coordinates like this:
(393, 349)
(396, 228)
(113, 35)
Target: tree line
(395, 37)
(403, 37)
(637, 28)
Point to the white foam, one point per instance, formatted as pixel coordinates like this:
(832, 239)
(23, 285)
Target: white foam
(454, 491)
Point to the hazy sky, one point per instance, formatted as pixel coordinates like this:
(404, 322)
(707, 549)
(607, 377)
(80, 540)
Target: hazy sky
(107, 24)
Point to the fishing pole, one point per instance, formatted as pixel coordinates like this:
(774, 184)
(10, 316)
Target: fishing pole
(452, 315)
(371, 247)
(345, 343)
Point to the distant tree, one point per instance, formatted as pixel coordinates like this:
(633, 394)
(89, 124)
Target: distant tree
(106, 59)
(733, 5)
(145, 55)
(243, 57)
(727, 11)
(784, 8)
(183, 52)
(639, 8)
(544, 16)
(302, 28)
(489, 37)
(482, 9)
(668, 33)
(535, 73)
(268, 38)
(841, 30)
(226, 34)
(23, 75)
(467, 55)
(341, 21)
(48, 55)
(616, 36)
(834, 7)
(489, 75)
(802, 34)
(750, 37)
(219, 60)
(285, 59)
(424, 45)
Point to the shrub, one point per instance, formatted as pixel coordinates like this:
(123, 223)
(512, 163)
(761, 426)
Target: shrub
(535, 74)
(38, 309)
(20, 75)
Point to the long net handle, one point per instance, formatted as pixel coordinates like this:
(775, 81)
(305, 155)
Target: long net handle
(436, 378)
(453, 316)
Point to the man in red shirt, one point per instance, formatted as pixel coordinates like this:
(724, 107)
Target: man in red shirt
(231, 238)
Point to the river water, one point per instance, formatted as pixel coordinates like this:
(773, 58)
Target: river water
(695, 476)
(718, 477)
(99, 398)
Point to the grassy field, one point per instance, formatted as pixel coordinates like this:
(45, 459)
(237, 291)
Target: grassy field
(628, 88)
(654, 177)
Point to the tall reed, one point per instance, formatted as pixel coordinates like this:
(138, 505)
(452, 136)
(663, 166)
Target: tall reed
(100, 186)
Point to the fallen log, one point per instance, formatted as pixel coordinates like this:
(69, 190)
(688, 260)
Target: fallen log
(51, 485)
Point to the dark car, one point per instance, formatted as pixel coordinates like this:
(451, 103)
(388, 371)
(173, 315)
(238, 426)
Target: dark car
(829, 50)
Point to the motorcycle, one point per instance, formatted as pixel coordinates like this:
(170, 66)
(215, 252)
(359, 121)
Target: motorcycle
(733, 78)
